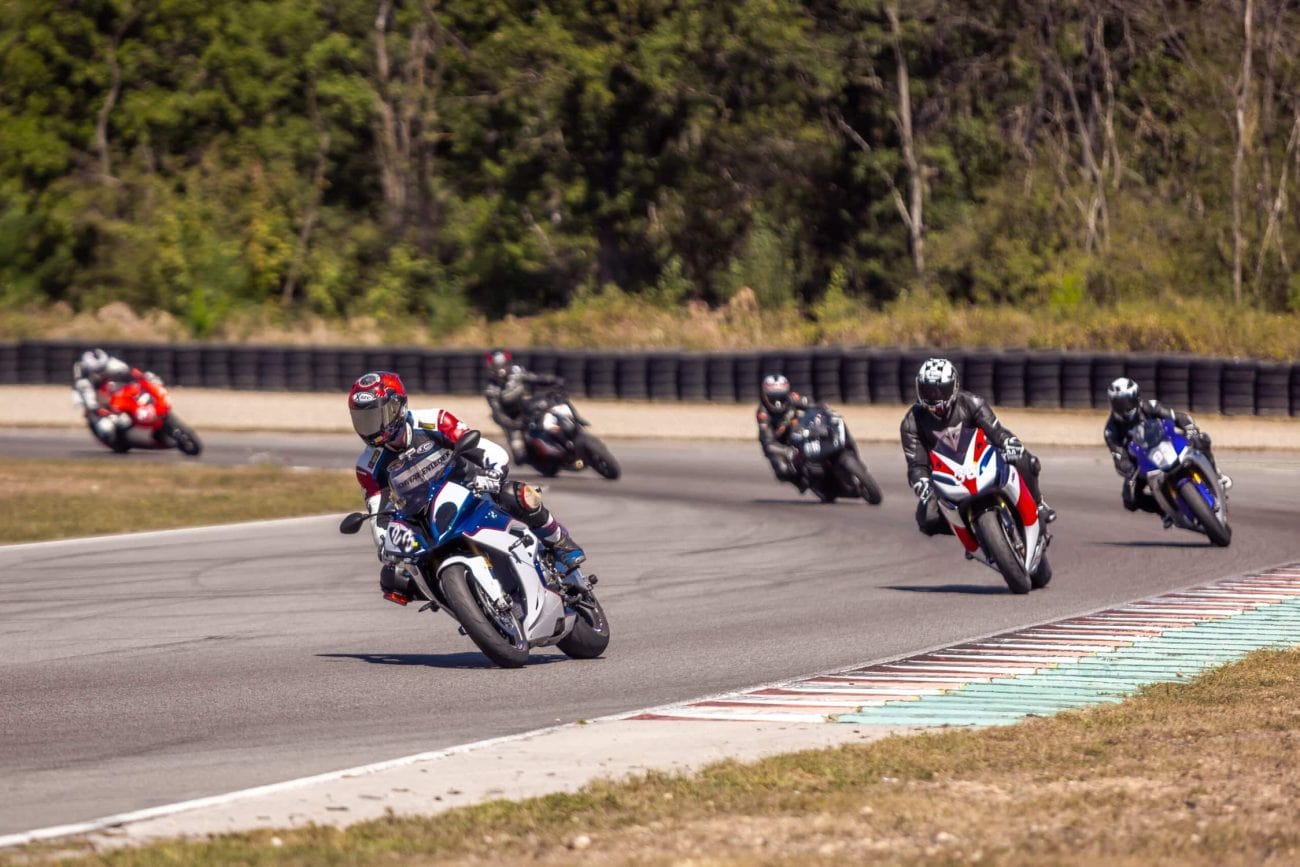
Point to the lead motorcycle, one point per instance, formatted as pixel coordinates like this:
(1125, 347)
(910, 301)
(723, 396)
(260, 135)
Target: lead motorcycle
(484, 567)
(556, 438)
(989, 508)
(1182, 480)
(141, 410)
(828, 459)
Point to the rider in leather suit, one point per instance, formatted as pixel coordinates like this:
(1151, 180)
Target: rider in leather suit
(777, 415)
(94, 370)
(378, 407)
(1128, 409)
(509, 392)
(940, 405)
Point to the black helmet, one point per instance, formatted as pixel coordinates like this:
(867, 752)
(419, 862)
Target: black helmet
(1124, 399)
(936, 386)
(775, 393)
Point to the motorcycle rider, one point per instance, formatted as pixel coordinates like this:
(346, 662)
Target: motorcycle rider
(1127, 410)
(94, 371)
(778, 417)
(378, 406)
(942, 404)
(509, 393)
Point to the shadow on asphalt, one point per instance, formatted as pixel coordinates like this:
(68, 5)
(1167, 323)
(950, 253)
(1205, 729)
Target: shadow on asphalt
(812, 501)
(468, 659)
(974, 589)
(1152, 543)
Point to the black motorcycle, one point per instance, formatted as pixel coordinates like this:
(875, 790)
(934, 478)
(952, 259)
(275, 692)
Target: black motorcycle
(556, 438)
(828, 459)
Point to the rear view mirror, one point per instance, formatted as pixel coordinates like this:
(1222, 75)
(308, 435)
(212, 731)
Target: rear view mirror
(352, 523)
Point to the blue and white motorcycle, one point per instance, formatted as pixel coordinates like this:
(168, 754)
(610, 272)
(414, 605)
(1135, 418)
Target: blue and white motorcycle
(486, 568)
(1185, 485)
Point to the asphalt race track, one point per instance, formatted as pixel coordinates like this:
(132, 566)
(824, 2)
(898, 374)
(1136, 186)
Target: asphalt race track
(138, 671)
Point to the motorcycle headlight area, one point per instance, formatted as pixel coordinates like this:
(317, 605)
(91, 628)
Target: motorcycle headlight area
(1164, 455)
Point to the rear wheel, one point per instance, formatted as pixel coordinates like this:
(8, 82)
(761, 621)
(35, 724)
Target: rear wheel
(991, 528)
(185, 438)
(590, 635)
(1220, 533)
(496, 632)
(595, 453)
(866, 486)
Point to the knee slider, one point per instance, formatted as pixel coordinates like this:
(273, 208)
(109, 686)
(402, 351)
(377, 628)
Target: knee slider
(528, 498)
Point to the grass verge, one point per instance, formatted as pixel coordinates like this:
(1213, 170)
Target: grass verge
(61, 499)
(1199, 773)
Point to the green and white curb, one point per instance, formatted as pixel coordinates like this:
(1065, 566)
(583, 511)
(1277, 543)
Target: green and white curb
(1088, 660)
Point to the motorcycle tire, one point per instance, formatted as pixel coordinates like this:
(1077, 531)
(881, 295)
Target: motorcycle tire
(184, 438)
(993, 539)
(590, 635)
(598, 457)
(867, 488)
(1219, 533)
(487, 628)
(1042, 575)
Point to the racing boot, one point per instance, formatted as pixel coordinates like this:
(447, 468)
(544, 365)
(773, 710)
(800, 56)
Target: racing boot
(1046, 512)
(1225, 482)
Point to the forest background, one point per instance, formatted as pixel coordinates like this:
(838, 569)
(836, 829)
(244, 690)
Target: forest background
(1078, 173)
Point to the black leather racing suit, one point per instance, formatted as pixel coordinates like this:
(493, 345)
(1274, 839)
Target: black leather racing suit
(920, 431)
(509, 399)
(1135, 494)
(774, 430)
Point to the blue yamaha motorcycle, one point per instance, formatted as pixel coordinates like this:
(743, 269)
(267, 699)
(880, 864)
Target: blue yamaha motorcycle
(486, 568)
(1181, 479)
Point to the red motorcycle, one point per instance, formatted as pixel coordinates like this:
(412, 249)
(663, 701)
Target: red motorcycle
(141, 411)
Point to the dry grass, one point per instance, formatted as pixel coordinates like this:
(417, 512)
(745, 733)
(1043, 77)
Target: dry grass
(614, 320)
(1202, 773)
(59, 499)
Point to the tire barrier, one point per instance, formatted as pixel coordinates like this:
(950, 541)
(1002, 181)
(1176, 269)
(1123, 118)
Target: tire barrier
(1010, 378)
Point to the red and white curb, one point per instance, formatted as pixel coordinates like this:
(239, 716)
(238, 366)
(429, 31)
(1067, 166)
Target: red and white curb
(1049, 645)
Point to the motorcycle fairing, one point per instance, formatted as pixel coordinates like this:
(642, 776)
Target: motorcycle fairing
(1159, 449)
(456, 511)
(966, 468)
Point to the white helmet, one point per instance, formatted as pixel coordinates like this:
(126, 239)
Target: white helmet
(936, 386)
(1123, 394)
(93, 362)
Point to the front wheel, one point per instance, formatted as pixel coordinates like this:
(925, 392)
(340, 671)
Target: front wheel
(1042, 575)
(857, 475)
(186, 439)
(590, 635)
(598, 455)
(497, 633)
(991, 529)
(1219, 533)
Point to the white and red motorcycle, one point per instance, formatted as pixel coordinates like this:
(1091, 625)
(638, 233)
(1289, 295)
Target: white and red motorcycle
(989, 508)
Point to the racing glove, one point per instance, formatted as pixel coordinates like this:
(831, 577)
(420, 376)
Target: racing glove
(485, 481)
(922, 489)
(1013, 450)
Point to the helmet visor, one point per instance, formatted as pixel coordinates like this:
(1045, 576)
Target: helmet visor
(374, 421)
(1124, 404)
(935, 393)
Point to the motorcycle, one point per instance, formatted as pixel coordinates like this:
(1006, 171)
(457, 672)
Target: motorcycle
(487, 569)
(142, 416)
(1182, 480)
(989, 507)
(556, 438)
(828, 460)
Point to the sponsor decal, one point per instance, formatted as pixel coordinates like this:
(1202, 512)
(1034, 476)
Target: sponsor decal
(362, 398)
(401, 538)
